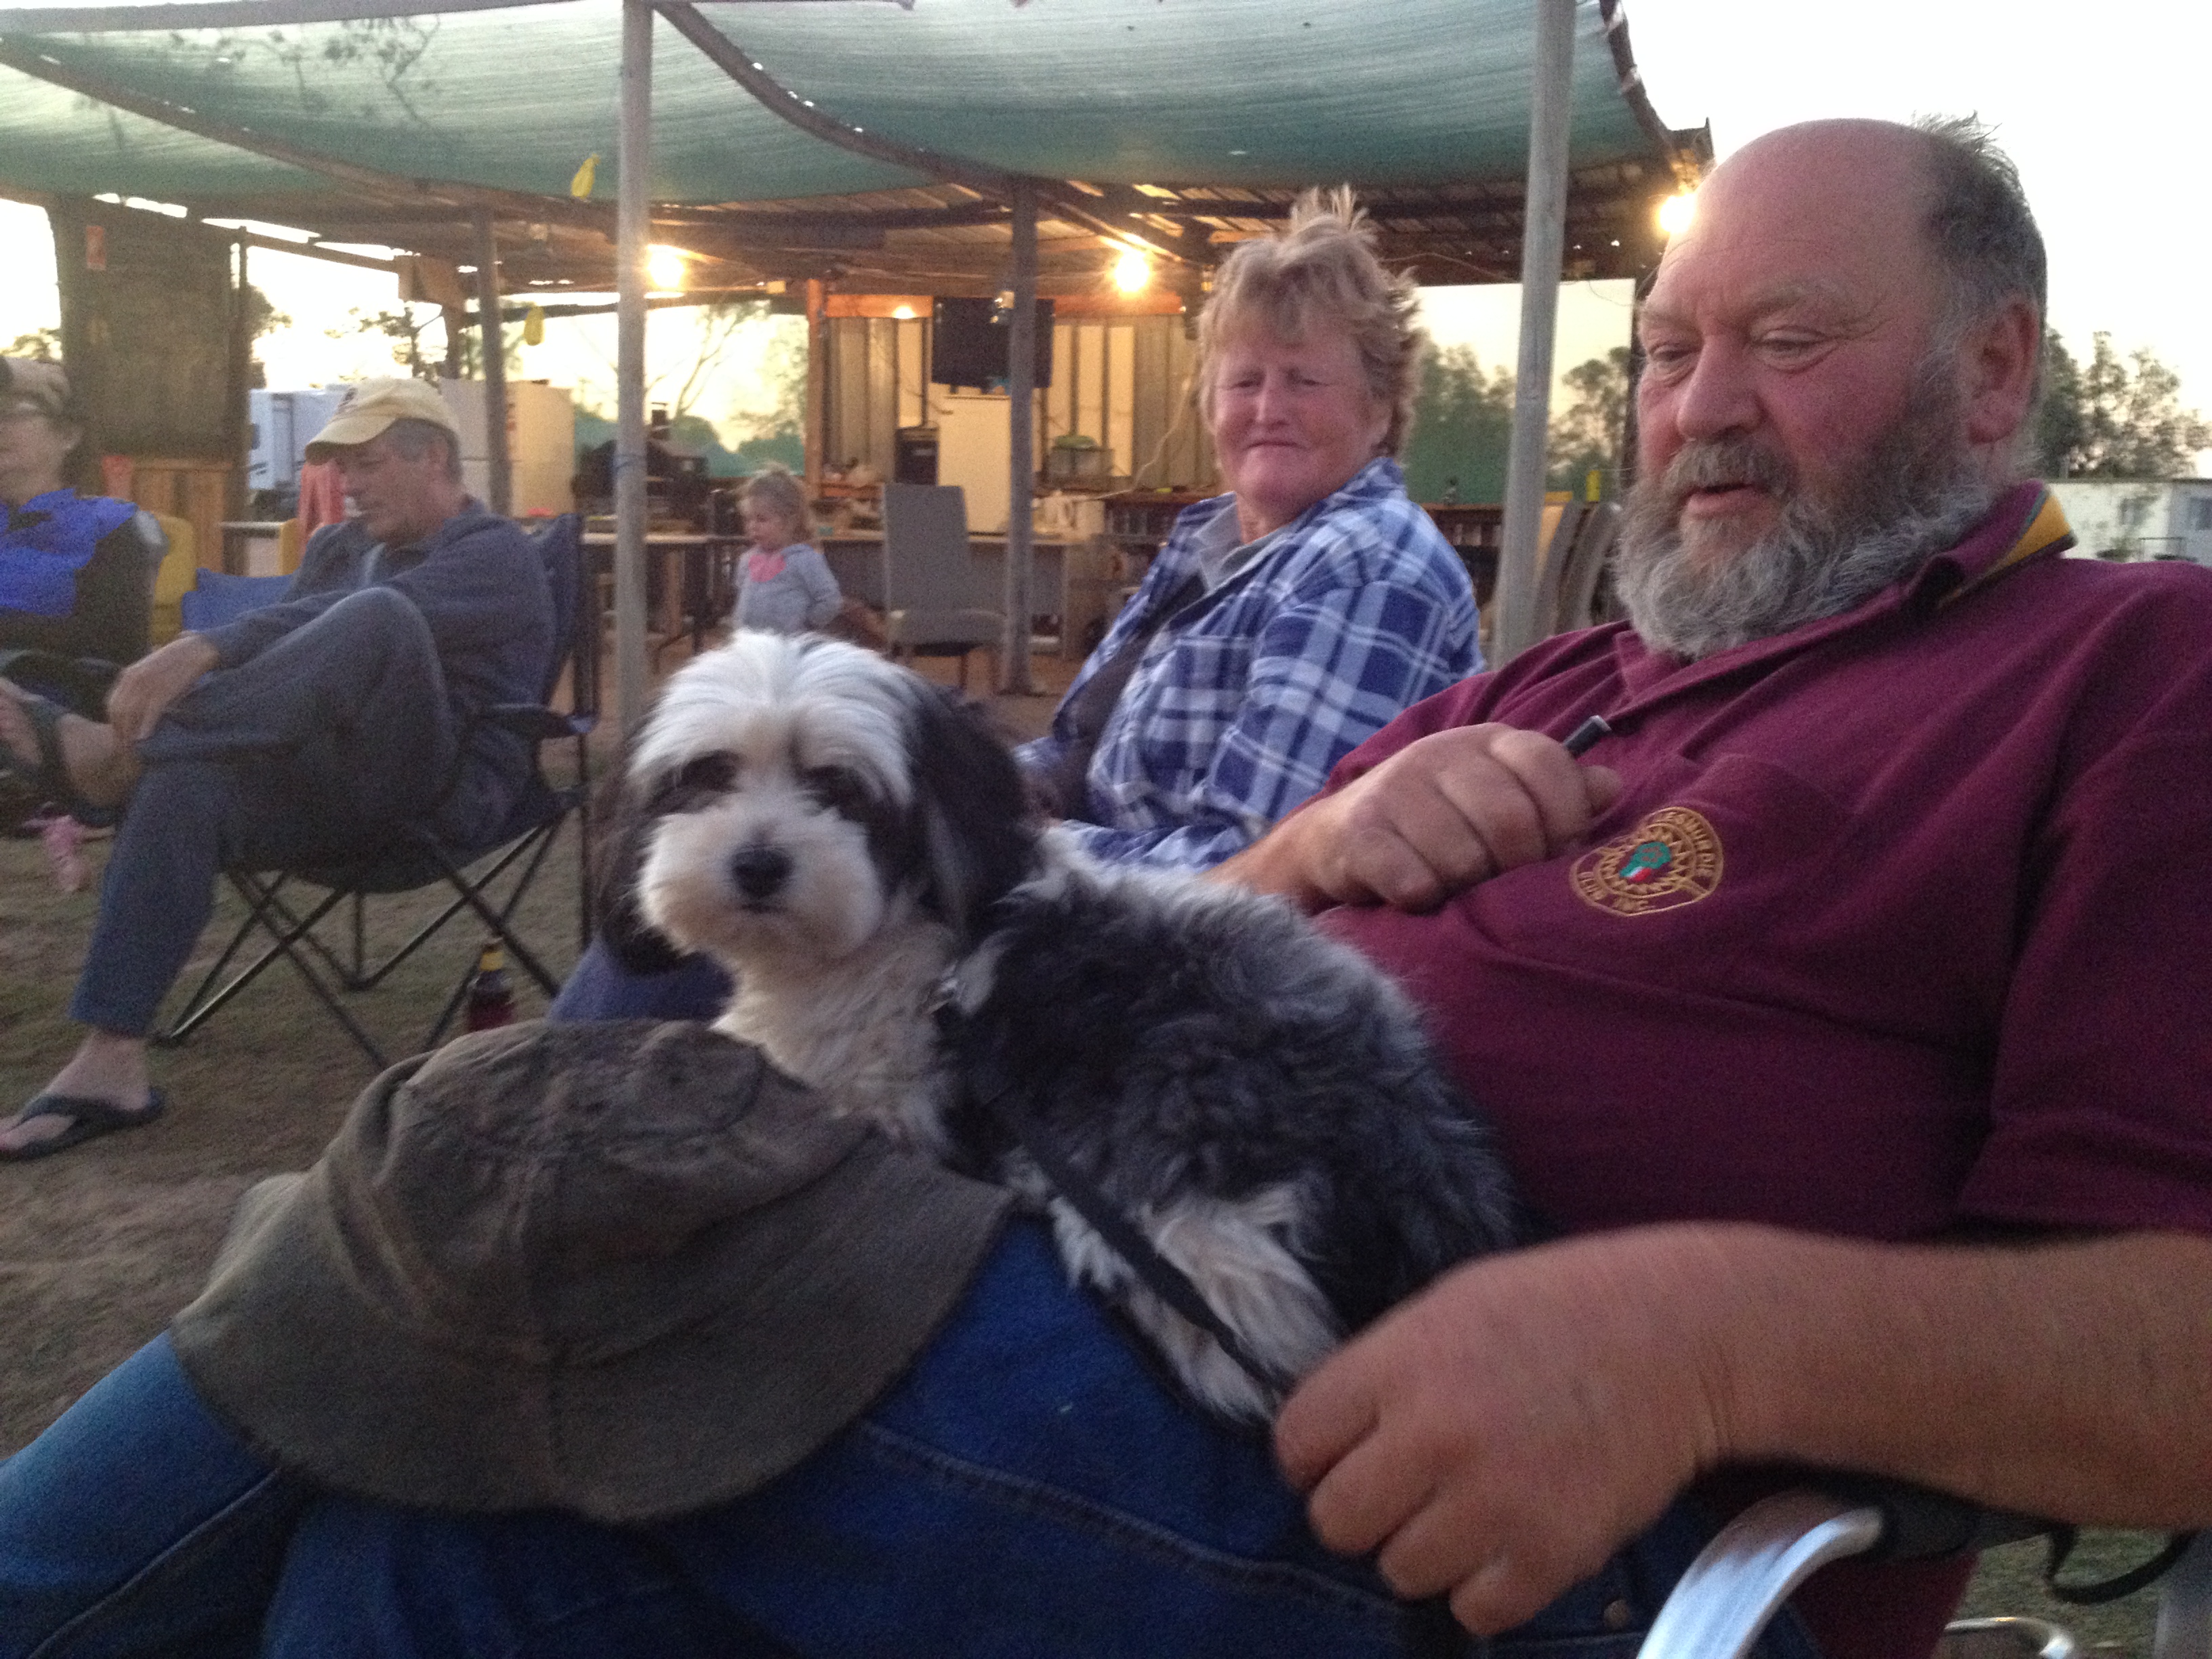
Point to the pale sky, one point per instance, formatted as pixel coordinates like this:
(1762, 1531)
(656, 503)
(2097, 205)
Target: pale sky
(2101, 107)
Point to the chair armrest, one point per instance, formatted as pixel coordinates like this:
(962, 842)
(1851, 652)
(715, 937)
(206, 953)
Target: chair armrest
(1740, 1581)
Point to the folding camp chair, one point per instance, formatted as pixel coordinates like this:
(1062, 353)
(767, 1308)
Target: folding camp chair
(940, 600)
(419, 858)
(1734, 1588)
(1567, 591)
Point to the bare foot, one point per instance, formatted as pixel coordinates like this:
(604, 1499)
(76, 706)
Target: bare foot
(101, 767)
(107, 1068)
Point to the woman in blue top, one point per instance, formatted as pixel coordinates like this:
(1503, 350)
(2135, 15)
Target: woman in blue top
(76, 571)
(784, 586)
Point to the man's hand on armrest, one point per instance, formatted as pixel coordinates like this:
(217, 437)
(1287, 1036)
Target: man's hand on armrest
(1496, 1436)
(1451, 809)
(143, 692)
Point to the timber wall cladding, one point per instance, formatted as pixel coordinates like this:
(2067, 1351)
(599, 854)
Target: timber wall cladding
(1119, 383)
(151, 328)
(148, 331)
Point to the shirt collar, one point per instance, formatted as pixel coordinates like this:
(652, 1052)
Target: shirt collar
(2026, 523)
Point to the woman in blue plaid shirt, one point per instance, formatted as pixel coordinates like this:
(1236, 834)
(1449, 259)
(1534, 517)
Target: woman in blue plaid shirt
(1281, 624)
(1285, 621)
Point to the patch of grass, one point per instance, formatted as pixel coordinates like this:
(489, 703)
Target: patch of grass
(100, 1246)
(2009, 1582)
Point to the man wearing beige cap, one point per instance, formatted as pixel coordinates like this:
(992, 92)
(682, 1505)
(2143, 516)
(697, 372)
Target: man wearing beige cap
(308, 730)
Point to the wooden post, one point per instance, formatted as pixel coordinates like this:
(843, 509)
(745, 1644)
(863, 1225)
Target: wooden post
(634, 178)
(817, 433)
(1021, 445)
(491, 346)
(1543, 247)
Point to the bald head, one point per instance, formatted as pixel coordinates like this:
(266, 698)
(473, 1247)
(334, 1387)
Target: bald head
(1939, 187)
(1848, 203)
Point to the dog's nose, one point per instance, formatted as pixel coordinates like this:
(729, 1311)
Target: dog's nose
(759, 871)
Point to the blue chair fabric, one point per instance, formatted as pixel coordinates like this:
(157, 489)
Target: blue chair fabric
(216, 598)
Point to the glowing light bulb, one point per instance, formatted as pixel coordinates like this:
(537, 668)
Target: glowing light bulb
(904, 313)
(1676, 212)
(1133, 272)
(665, 266)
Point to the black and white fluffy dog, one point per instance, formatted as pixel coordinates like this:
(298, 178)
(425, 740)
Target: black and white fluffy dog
(855, 847)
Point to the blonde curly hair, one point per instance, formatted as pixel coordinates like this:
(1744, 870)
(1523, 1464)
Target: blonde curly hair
(774, 489)
(1320, 275)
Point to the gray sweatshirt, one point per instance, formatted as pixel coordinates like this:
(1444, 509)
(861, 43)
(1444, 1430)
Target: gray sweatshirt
(786, 592)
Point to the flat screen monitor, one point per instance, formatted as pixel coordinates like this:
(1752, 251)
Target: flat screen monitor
(967, 349)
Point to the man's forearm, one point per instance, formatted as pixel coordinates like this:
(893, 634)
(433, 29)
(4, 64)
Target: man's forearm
(2070, 1379)
(1497, 1436)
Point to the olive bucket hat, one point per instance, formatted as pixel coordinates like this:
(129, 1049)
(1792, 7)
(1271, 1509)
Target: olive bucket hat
(626, 1269)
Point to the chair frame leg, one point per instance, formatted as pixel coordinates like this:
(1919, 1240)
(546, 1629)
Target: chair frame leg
(292, 936)
(533, 846)
(575, 590)
(289, 934)
(499, 924)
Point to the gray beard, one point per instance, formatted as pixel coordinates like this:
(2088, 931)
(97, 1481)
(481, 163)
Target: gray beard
(1915, 494)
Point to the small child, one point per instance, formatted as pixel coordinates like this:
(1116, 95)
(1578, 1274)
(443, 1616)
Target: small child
(783, 584)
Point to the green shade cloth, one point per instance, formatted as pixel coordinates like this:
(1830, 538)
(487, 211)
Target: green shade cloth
(1275, 92)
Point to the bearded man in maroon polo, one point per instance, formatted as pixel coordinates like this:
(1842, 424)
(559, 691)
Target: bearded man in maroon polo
(1843, 1012)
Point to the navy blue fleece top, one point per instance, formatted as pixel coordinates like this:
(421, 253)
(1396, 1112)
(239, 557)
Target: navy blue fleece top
(480, 584)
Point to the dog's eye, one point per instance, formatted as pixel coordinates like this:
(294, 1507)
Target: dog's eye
(837, 787)
(707, 773)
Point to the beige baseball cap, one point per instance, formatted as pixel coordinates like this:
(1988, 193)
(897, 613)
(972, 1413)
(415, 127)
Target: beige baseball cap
(374, 405)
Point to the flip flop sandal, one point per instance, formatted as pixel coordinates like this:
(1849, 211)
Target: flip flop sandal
(88, 1119)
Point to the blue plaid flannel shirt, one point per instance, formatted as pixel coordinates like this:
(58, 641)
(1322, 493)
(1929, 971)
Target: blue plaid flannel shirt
(1237, 712)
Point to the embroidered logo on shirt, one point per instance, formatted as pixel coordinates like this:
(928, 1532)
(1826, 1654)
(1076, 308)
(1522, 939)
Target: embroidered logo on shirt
(1670, 860)
(763, 567)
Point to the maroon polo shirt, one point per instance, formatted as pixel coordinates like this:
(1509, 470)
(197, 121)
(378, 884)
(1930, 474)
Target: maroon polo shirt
(1899, 927)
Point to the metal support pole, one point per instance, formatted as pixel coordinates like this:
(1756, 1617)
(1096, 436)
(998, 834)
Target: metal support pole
(1021, 443)
(634, 176)
(491, 346)
(238, 418)
(1543, 245)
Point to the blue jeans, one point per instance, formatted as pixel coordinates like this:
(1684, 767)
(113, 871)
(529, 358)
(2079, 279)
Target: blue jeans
(1029, 1487)
(314, 750)
(600, 988)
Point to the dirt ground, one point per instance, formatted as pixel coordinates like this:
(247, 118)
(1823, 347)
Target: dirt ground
(99, 1247)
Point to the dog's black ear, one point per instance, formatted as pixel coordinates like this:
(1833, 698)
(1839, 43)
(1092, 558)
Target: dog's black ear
(626, 815)
(978, 831)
